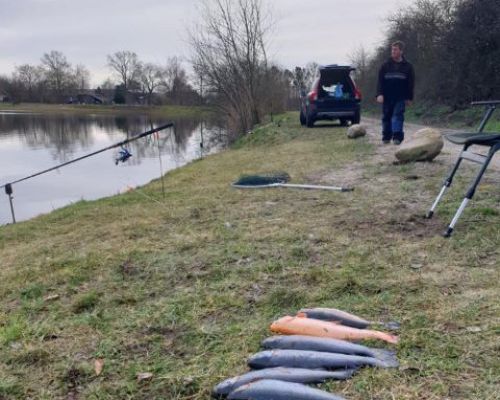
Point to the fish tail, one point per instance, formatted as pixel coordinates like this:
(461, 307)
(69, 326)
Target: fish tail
(387, 357)
(387, 337)
(216, 395)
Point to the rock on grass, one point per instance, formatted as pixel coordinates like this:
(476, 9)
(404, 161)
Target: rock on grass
(425, 146)
(356, 131)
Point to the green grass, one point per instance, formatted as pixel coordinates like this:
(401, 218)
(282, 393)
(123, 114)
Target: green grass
(186, 288)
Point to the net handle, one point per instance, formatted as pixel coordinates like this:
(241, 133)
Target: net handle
(296, 186)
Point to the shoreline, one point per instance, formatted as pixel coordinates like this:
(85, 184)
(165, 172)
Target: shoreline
(169, 111)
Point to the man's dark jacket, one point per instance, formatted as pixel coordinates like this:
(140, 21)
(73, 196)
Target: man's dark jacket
(396, 80)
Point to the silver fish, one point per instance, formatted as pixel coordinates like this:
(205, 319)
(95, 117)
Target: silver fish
(269, 389)
(328, 345)
(344, 318)
(312, 360)
(297, 375)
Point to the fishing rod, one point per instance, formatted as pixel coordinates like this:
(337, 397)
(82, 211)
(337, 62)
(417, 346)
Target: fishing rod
(8, 186)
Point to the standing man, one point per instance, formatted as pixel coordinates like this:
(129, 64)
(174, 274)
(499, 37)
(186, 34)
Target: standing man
(396, 79)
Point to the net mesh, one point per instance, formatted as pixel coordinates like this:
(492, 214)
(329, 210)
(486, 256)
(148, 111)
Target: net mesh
(263, 179)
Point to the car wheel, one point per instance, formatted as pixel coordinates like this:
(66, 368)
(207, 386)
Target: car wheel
(357, 118)
(343, 122)
(310, 121)
(302, 119)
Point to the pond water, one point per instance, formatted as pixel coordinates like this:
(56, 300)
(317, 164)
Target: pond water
(30, 143)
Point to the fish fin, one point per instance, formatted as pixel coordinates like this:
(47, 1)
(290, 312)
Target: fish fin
(348, 373)
(303, 314)
(388, 357)
(392, 325)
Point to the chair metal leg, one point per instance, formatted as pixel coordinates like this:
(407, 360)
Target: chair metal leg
(471, 191)
(447, 183)
(447, 233)
(430, 213)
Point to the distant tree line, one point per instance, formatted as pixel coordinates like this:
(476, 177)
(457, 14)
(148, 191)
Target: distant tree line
(55, 80)
(454, 46)
(49, 81)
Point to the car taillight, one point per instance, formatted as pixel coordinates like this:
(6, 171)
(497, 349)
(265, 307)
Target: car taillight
(357, 94)
(312, 96)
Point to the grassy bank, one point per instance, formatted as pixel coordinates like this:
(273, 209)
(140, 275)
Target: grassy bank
(157, 111)
(185, 286)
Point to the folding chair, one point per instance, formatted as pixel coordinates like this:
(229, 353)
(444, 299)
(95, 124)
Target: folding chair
(491, 140)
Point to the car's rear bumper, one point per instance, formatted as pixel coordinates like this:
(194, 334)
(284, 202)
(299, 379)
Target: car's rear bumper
(335, 114)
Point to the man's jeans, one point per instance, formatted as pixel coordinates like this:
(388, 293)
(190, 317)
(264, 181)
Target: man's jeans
(393, 118)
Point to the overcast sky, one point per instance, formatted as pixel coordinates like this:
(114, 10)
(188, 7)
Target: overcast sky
(325, 31)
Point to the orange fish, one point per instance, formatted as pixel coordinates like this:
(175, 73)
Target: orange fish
(300, 325)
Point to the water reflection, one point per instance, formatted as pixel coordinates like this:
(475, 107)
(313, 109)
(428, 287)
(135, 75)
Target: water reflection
(65, 135)
(33, 142)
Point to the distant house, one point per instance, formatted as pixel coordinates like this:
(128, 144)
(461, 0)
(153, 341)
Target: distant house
(108, 96)
(4, 98)
(90, 97)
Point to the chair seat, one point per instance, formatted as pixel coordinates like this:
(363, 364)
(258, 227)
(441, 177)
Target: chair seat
(482, 139)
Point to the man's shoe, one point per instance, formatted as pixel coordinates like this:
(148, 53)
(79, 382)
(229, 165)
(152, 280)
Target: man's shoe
(397, 142)
(386, 141)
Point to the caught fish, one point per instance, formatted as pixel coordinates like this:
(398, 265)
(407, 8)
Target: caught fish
(344, 318)
(314, 327)
(270, 389)
(297, 375)
(312, 360)
(311, 343)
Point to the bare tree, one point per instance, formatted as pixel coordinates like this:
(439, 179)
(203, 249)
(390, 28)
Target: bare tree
(108, 84)
(229, 47)
(12, 88)
(199, 79)
(176, 80)
(151, 78)
(303, 78)
(276, 90)
(82, 77)
(310, 73)
(360, 60)
(30, 77)
(173, 71)
(299, 79)
(126, 66)
(57, 72)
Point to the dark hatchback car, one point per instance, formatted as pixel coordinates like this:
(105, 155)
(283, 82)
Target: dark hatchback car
(333, 96)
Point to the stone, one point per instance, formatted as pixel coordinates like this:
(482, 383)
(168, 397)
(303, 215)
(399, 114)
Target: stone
(426, 144)
(356, 131)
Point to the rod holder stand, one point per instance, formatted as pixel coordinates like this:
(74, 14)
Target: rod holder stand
(8, 192)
